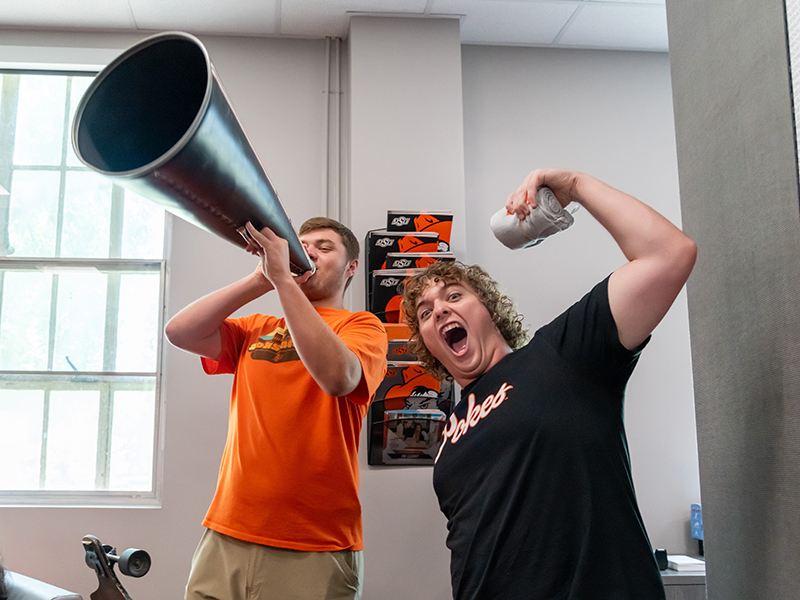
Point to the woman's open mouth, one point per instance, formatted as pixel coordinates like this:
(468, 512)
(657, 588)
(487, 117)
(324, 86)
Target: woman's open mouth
(455, 336)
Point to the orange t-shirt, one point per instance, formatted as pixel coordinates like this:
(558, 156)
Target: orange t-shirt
(289, 473)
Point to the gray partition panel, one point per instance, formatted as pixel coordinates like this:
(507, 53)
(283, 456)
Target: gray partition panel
(738, 169)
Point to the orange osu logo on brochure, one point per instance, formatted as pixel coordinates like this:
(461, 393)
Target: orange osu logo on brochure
(416, 260)
(440, 222)
(426, 222)
(416, 382)
(409, 242)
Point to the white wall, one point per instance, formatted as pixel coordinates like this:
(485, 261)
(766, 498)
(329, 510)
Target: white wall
(606, 113)
(407, 153)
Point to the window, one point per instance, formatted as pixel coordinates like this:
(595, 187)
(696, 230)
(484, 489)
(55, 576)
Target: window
(82, 276)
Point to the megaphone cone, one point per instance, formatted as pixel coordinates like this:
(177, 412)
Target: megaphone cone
(157, 121)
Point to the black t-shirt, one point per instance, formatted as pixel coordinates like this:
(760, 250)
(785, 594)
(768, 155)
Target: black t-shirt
(535, 478)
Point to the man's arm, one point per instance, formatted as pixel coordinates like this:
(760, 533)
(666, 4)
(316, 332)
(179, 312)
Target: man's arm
(335, 368)
(331, 363)
(660, 257)
(196, 328)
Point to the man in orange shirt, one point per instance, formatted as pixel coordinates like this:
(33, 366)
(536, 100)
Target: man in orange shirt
(285, 521)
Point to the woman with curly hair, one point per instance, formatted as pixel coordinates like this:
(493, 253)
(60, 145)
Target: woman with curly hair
(501, 308)
(533, 474)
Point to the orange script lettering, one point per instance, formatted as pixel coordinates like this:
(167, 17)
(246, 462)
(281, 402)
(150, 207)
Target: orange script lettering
(455, 428)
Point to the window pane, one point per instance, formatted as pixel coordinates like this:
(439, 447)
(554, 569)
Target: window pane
(20, 438)
(132, 441)
(143, 231)
(76, 309)
(87, 216)
(137, 329)
(80, 321)
(33, 213)
(40, 120)
(72, 440)
(79, 86)
(25, 323)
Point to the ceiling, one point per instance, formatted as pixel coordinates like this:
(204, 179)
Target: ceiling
(606, 24)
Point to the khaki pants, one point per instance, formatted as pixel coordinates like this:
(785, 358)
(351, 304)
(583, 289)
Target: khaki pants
(225, 568)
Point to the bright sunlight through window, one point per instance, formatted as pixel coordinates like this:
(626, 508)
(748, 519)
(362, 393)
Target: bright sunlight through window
(81, 305)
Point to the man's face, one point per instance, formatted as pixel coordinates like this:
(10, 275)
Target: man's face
(326, 250)
(458, 330)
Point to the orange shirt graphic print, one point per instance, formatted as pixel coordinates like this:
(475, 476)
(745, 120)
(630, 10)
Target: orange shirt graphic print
(276, 347)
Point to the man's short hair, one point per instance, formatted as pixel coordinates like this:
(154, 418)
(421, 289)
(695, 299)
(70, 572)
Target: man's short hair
(348, 239)
(501, 308)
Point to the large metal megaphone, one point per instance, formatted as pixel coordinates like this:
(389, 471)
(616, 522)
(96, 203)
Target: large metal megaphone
(157, 121)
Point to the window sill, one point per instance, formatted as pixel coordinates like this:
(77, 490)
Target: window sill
(78, 499)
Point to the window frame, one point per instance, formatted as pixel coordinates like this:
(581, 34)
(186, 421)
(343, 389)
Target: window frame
(60, 379)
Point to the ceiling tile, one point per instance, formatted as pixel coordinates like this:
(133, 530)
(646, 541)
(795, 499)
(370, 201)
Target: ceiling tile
(622, 26)
(618, 24)
(508, 22)
(322, 18)
(237, 17)
(106, 14)
(661, 2)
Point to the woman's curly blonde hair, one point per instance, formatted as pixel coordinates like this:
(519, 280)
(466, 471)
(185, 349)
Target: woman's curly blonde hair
(501, 308)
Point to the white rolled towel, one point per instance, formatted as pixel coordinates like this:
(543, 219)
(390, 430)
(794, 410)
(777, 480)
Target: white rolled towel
(547, 218)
